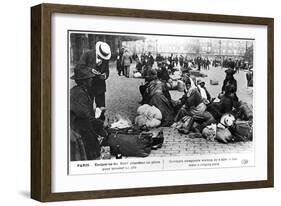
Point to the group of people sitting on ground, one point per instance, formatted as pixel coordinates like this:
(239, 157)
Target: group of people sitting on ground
(196, 102)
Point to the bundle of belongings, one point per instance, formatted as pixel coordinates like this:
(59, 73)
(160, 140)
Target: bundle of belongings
(227, 130)
(225, 119)
(230, 130)
(214, 82)
(137, 75)
(176, 85)
(120, 122)
(148, 116)
(130, 141)
(197, 73)
(174, 82)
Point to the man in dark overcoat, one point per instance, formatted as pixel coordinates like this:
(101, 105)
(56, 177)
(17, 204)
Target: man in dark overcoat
(82, 114)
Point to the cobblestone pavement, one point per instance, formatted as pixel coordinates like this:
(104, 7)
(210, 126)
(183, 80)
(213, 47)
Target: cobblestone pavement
(176, 144)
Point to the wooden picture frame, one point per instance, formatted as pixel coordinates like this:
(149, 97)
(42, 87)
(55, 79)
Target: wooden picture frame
(41, 98)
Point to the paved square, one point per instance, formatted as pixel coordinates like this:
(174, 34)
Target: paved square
(176, 144)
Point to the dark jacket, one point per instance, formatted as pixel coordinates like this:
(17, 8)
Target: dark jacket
(88, 58)
(83, 121)
(217, 109)
(99, 85)
(150, 60)
(119, 60)
(229, 86)
(163, 74)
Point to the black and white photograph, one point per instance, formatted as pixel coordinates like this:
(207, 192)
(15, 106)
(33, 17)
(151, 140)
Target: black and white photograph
(137, 102)
(158, 96)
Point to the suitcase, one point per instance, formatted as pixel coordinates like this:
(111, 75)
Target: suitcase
(130, 144)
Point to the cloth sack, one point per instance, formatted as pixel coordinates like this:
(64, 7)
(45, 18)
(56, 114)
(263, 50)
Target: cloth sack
(149, 111)
(245, 112)
(210, 132)
(223, 135)
(137, 75)
(242, 131)
(143, 120)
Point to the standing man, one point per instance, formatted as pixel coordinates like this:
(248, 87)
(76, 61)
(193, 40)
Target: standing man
(126, 62)
(249, 77)
(119, 66)
(97, 60)
(150, 59)
(181, 59)
(199, 62)
(101, 71)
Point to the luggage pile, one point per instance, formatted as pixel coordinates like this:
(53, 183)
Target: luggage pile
(229, 130)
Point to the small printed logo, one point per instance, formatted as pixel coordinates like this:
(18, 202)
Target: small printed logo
(244, 161)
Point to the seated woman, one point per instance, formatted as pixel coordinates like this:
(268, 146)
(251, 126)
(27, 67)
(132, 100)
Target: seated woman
(192, 105)
(159, 96)
(191, 102)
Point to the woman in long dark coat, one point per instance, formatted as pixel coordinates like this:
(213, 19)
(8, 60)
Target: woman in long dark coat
(229, 86)
(160, 97)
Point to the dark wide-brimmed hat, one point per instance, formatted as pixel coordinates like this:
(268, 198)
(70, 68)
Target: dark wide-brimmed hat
(230, 71)
(82, 72)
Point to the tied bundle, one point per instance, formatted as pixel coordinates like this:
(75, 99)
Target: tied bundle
(149, 116)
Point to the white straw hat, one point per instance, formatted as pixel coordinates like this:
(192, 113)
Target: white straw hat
(103, 50)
